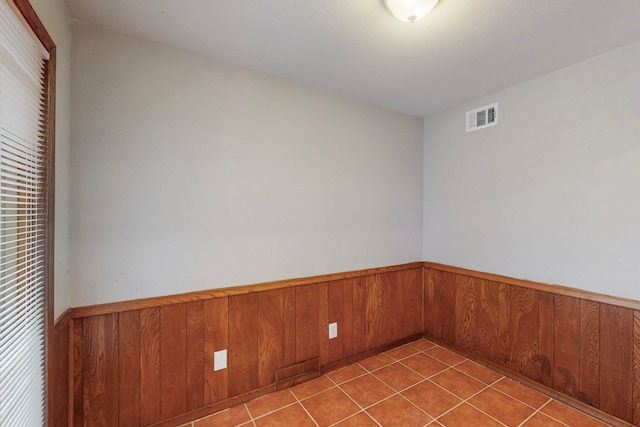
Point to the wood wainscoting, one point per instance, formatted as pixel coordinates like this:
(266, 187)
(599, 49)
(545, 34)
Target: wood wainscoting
(584, 345)
(150, 362)
(58, 372)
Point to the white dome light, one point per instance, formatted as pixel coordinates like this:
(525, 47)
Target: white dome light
(410, 10)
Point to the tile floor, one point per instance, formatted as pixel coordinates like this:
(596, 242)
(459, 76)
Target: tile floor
(418, 384)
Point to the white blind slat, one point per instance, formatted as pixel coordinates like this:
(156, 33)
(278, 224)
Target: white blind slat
(22, 224)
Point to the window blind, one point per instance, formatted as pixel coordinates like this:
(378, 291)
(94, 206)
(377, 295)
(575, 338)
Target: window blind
(22, 225)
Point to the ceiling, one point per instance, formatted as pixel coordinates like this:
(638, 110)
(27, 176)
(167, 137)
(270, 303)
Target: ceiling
(462, 50)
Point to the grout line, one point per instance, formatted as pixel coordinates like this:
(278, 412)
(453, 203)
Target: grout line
(434, 420)
(299, 402)
(350, 379)
(424, 376)
(271, 412)
(395, 393)
(550, 416)
(518, 400)
(463, 401)
(529, 417)
(353, 415)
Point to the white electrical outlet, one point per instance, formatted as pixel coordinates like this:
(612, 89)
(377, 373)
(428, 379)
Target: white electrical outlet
(220, 360)
(333, 330)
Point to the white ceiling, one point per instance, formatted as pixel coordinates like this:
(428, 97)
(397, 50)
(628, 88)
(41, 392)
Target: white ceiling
(463, 50)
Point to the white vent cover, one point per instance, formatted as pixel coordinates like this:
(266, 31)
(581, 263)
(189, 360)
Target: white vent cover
(482, 117)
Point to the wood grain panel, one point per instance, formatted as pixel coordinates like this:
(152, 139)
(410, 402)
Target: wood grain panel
(149, 366)
(129, 368)
(375, 320)
(58, 378)
(429, 301)
(173, 360)
(544, 287)
(391, 303)
(409, 283)
(546, 319)
(486, 336)
(216, 338)
(575, 346)
(524, 331)
(566, 355)
(243, 343)
(359, 315)
(270, 335)
(77, 365)
(323, 322)
(289, 308)
(117, 307)
(100, 370)
(111, 367)
(589, 353)
(307, 323)
(616, 361)
(504, 325)
(382, 317)
(195, 355)
(465, 313)
(636, 367)
(520, 328)
(335, 313)
(444, 307)
(346, 329)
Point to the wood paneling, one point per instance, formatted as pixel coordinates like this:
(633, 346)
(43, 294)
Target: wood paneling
(100, 370)
(359, 315)
(486, 333)
(429, 298)
(195, 355)
(149, 365)
(636, 367)
(335, 313)
(465, 313)
(173, 360)
(289, 308)
(346, 330)
(58, 365)
(77, 371)
(409, 304)
(524, 331)
(323, 322)
(444, 321)
(546, 305)
(307, 319)
(375, 312)
(129, 368)
(117, 307)
(270, 335)
(616, 360)
(566, 352)
(584, 348)
(504, 325)
(589, 353)
(243, 343)
(216, 338)
(537, 286)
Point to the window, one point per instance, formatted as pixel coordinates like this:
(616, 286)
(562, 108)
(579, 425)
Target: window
(27, 61)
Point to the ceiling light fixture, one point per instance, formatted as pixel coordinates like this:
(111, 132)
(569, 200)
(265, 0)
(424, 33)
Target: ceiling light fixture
(410, 10)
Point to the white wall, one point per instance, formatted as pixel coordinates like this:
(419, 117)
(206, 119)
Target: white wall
(189, 174)
(53, 15)
(552, 193)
